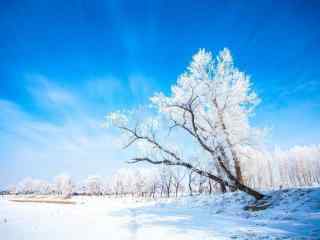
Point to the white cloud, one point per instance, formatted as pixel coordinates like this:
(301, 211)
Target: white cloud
(46, 92)
(304, 87)
(76, 143)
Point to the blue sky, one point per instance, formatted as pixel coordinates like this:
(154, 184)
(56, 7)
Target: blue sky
(65, 64)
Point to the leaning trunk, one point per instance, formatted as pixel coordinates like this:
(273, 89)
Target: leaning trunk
(236, 183)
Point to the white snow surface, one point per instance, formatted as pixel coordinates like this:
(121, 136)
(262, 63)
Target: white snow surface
(295, 214)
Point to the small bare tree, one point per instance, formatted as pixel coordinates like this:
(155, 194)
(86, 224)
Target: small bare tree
(178, 175)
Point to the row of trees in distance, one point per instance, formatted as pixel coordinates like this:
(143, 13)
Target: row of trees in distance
(295, 167)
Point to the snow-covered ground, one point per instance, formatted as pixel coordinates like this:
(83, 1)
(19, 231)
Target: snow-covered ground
(295, 214)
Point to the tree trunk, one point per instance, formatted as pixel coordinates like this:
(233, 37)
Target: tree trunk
(168, 190)
(200, 186)
(233, 152)
(237, 184)
(238, 169)
(190, 183)
(190, 189)
(177, 190)
(223, 188)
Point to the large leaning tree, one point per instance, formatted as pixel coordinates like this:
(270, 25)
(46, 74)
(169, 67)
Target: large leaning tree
(211, 104)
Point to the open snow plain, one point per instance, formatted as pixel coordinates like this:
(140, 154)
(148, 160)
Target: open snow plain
(295, 214)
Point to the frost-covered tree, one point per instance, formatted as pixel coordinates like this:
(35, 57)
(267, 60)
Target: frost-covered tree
(42, 187)
(191, 181)
(94, 185)
(119, 182)
(178, 175)
(12, 189)
(137, 182)
(293, 167)
(63, 185)
(106, 187)
(153, 182)
(33, 186)
(211, 103)
(26, 186)
(166, 180)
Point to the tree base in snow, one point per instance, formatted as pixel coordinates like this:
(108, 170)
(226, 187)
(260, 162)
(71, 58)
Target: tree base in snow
(259, 205)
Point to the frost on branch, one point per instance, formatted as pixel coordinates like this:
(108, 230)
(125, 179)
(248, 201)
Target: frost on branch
(220, 98)
(117, 118)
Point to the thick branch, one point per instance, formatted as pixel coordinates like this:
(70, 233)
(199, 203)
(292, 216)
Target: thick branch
(183, 164)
